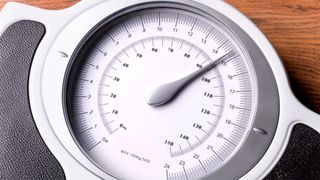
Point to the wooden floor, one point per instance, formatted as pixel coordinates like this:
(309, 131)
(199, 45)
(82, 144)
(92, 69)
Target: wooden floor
(293, 26)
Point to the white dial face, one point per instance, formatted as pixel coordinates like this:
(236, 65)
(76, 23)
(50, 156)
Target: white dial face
(189, 137)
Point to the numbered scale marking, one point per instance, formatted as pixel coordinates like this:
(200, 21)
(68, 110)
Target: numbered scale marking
(191, 136)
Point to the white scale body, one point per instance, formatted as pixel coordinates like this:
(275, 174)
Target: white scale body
(100, 60)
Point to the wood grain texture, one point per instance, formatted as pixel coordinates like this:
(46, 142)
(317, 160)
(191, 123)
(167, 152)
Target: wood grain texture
(46, 4)
(292, 26)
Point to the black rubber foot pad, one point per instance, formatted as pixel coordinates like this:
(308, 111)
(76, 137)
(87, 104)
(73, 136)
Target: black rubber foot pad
(301, 160)
(23, 154)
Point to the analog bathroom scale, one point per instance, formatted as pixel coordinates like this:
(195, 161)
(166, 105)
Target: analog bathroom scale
(147, 89)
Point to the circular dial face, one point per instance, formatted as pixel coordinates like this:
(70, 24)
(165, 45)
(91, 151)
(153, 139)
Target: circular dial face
(190, 135)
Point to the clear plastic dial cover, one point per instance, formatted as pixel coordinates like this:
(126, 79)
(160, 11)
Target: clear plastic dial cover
(190, 137)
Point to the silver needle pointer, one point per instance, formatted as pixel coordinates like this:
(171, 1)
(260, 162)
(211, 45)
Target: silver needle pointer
(164, 93)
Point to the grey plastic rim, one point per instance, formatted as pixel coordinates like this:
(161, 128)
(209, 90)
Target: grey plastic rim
(268, 107)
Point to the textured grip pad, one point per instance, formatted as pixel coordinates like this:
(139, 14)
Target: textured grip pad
(301, 160)
(23, 154)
